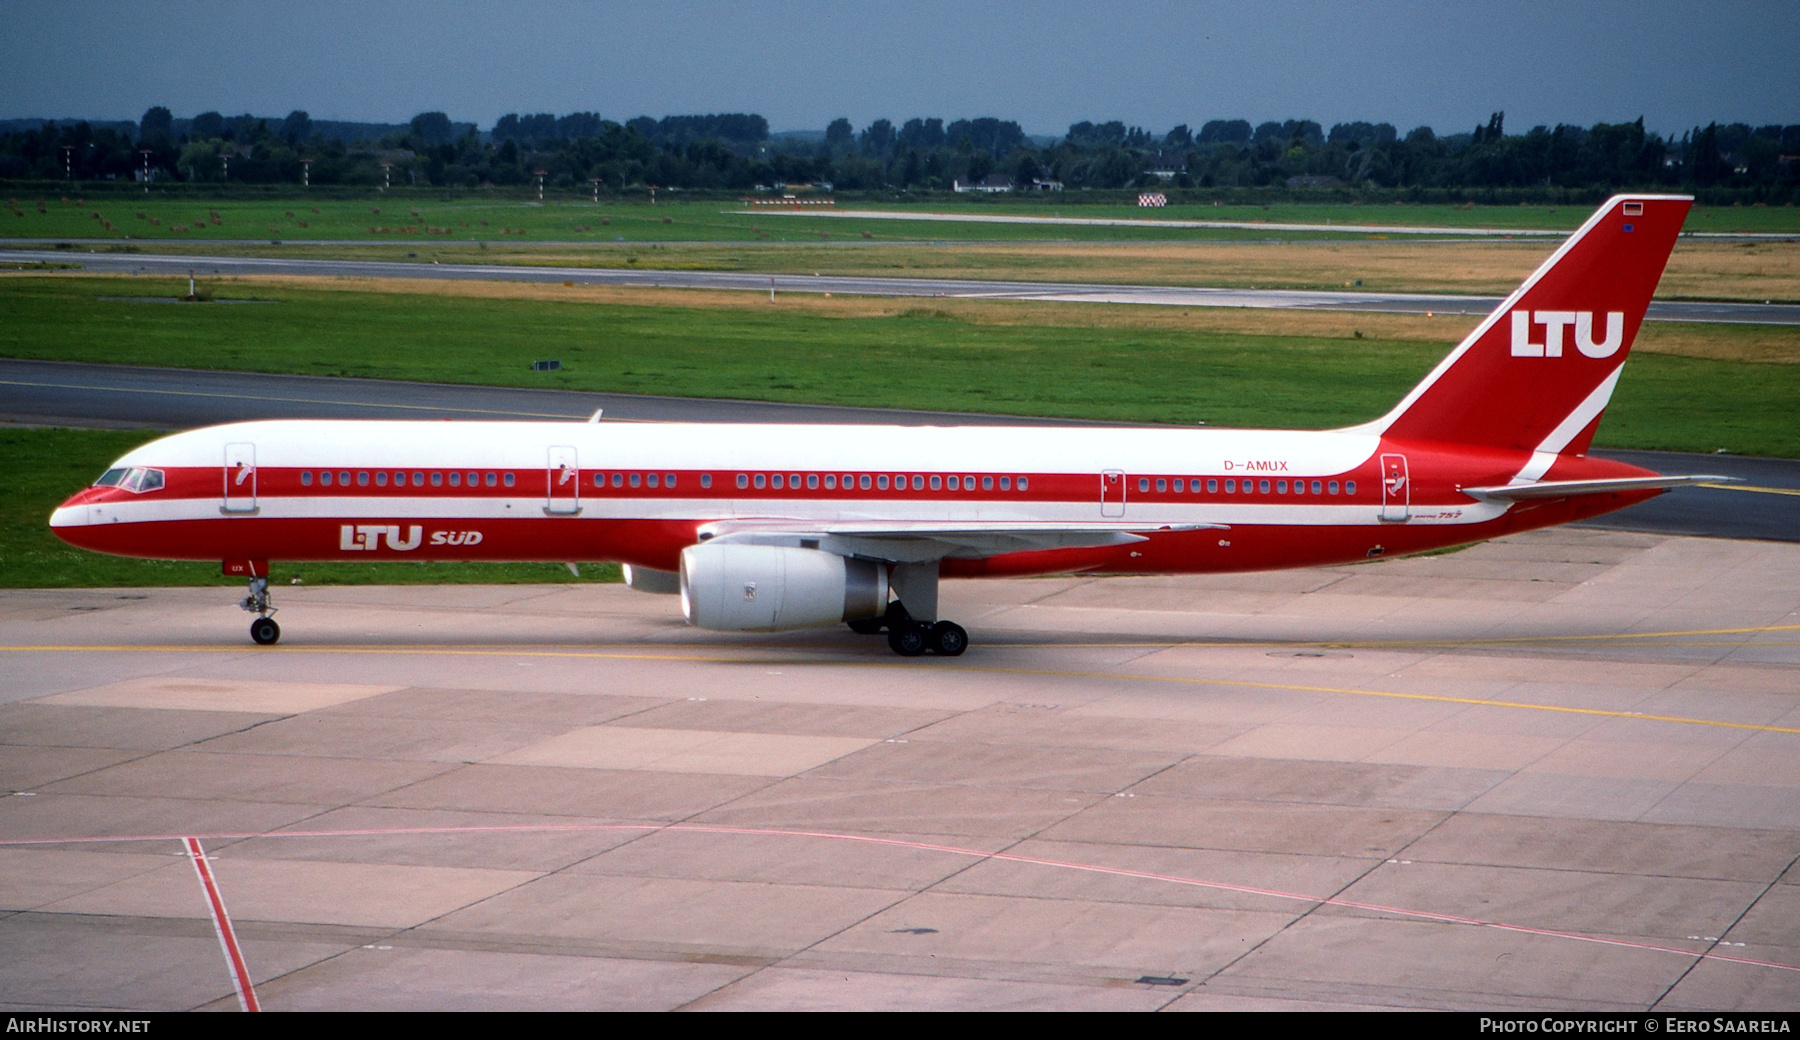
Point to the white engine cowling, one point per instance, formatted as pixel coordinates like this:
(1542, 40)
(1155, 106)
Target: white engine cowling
(734, 588)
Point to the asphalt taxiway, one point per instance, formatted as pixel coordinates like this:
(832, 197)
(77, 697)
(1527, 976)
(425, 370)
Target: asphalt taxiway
(1556, 771)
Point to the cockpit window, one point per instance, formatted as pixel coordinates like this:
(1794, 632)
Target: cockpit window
(135, 478)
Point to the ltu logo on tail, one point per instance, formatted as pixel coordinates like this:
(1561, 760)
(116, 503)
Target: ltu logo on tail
(1554, 322)
(367, 537)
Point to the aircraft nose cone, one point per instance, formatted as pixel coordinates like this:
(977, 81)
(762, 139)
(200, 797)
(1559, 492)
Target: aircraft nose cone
(72, 513)
(76, 511)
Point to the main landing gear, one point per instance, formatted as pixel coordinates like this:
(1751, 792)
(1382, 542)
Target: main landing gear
(264, 629)
(915, 583)
(910, 638)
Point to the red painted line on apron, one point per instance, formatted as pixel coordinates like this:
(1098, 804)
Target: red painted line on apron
(228, 944)
(899, 843)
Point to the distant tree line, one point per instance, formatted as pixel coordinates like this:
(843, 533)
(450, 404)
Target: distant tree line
(735, 151)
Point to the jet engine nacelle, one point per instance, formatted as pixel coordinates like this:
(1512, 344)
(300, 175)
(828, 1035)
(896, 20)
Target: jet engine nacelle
(736, 588)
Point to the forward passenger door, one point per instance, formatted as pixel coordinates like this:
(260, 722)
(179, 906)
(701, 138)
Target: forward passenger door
(564, 482)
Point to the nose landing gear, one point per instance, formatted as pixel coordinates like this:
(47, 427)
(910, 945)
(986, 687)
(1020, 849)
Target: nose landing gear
(263, 630)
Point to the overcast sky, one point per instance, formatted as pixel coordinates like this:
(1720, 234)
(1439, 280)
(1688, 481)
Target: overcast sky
(1045, 64)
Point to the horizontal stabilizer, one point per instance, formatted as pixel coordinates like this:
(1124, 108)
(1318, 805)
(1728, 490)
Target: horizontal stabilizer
(1567, 488)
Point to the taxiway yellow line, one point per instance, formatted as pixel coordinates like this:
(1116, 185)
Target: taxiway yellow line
(989, 670)
(1752, 487)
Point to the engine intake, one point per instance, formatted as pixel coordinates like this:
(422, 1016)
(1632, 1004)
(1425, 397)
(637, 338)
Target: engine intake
(737, 588)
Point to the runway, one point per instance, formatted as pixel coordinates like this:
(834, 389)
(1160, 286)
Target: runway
(1169, 296)
(1764, 504)
(1555, 771)
(1438, 231)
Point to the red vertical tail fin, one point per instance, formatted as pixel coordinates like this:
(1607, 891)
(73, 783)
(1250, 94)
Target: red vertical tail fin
(1539, 371)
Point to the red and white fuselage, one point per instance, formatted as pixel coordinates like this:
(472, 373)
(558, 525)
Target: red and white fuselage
(641, 493)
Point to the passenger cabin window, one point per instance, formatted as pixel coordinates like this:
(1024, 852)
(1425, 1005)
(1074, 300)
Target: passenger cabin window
(987, 483)
(776, 480)
(490, 480)
(881, 482)
(437, 479)
(863, 482)
(1024, 482)
(812, 481)
(1212, 486)
(1349, 487)
(306, 478)
(936, 483)
(1332, 486)
(508, 481)
(706, 480)
(1006, 483)
(652, 480)
(761, 481)
(831, 481)
(636, 479)
(362, 479)
(381, 480)
(325, 478)
(668, 480)
(1143, 483)
(918, 482)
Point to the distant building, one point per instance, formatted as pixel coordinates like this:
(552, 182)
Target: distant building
(1043, 184)
(993, 182)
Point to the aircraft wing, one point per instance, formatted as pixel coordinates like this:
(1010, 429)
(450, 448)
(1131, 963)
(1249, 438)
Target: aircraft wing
(903, 541)
(1566, 488)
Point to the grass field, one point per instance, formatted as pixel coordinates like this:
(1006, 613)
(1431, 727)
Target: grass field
(1698, 269)
(423, 218)
(1007, 357)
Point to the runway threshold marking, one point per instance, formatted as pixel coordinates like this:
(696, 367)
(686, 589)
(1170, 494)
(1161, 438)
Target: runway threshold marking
(290, 400)
(228, 944)
(900, 843)
(451, 651)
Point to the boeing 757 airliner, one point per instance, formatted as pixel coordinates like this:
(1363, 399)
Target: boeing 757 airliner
(777, 527)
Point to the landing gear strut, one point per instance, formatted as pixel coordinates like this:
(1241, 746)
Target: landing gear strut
(263, 630)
